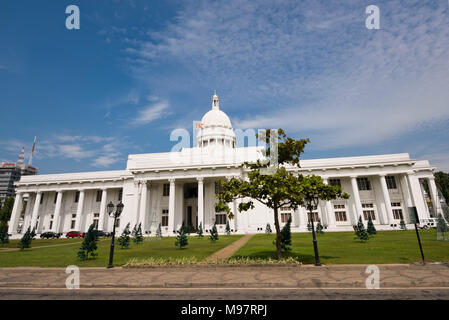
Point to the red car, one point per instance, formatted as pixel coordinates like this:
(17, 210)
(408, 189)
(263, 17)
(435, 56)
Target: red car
(74, 234)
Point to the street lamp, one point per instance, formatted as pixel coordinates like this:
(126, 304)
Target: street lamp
(114, 215)
(312, 201)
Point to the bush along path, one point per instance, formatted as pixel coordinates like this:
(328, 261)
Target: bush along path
(228, 251)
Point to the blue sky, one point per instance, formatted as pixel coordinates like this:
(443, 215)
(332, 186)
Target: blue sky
(136, 70)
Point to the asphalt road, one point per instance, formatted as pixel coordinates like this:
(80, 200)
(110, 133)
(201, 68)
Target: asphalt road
(224, 294)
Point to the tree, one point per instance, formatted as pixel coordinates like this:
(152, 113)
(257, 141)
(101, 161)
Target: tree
(442, 228)
(89, 245)
(319, 228)
(213, 233)
(137, 234)
(360, 231)
(200, 230)
(5, 214)
(228, 228)
(123, 241)
(181, 238)
(274, 186)
(370, 228)
(442, 182)
(159, 232)
(286, 236)
(4, 237)
(403, 225)
(25, 242)
(268, 229)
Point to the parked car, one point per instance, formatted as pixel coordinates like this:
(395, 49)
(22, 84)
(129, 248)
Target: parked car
(50, 235)
(428, 223)
(101, 233)
(74, 234)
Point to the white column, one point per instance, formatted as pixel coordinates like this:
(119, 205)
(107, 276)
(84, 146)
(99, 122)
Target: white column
(386, 195)
(143, 204)
(200, 202)
(37, 202)
(406, 196)
(434, 194)
(15, 214)
(358, 203)
(57, 213)
(79, 211)
(235, 211)
(104, 195)
(301, 221)
(417, 196)
(171, 207)
(330, 212)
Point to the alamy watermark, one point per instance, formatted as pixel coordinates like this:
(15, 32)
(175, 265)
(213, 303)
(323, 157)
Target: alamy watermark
(373, 279)
(73, 280)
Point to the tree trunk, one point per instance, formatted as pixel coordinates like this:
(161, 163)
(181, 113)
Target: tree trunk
(278, 232)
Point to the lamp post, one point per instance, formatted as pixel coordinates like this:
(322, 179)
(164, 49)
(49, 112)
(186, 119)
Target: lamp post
(311, 202)
(114, 215)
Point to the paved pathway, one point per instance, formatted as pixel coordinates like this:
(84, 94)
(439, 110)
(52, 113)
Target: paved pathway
(228, 251)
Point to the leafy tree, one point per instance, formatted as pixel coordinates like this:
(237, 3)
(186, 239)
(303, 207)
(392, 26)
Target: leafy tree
(286, 236)
(200, 230)
(5, 214)
(360, 231)
(442, 182)
(213, 233)
(309, 226)
(89, 245)
(25, 242)
(181, 238)
(4, 237)
(159, 232)
(137, 234)
(442, 228)
(370, 228)
(123, 240)
(268, 229)
(228, 228)
(274, 186)
(403, 225)
(319, 228)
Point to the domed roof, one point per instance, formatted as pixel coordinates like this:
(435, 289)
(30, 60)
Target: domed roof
(216, 118)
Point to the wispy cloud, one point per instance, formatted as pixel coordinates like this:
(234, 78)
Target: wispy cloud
(151, 112)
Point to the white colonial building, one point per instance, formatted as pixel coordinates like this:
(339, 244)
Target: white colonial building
(169, 188)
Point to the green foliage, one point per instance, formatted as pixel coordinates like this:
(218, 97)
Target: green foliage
(319, 228)
(360, 231)
(25, 242)
(286, 236)
(5, 214)
(442, 182)
(442, 228)
(181, 238)
(403, 225)
(213, 233)
(370, 228)
(309, 226)
(159, 232)
(228, 228)
(137, 234)
(123, 241)
(4, 237)
(33, 234)
(89, 245)
(279, 188)
(268, 229)
(200, 230)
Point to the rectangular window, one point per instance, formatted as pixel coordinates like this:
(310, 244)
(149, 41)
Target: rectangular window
(391, 182)
(72, 225)
(51, 224)
(363, 183)
(73, 215)
(285, 216)
(220, 218)
(117, 223)
(316, 217)
(397, 214)
(335, 182)
(368, 213)
(166, 190)
(120, 195)
(164, 222)
(340, 212)
(99, 194)
(77, 196)
(42, 197)
(396, 204)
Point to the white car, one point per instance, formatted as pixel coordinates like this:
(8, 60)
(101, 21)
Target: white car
(428, 223)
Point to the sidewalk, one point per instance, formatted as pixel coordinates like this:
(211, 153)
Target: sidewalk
(210, 276)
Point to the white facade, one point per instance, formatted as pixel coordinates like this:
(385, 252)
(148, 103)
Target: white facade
(170, 188)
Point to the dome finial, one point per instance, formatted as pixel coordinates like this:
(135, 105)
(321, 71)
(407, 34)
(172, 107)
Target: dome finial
(215, 101)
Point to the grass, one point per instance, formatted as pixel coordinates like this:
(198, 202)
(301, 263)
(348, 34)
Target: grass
(41, 242)
(341, 248)
(62, 256)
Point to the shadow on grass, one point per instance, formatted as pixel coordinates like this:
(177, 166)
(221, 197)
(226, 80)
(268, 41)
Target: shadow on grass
(304, 258)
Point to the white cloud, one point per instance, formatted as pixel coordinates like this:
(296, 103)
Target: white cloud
(74, 151)
(151, 112)
(104, 161)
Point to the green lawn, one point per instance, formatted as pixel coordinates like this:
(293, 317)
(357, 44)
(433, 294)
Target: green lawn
(62, 256)
(340, 248)
(40, 242)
